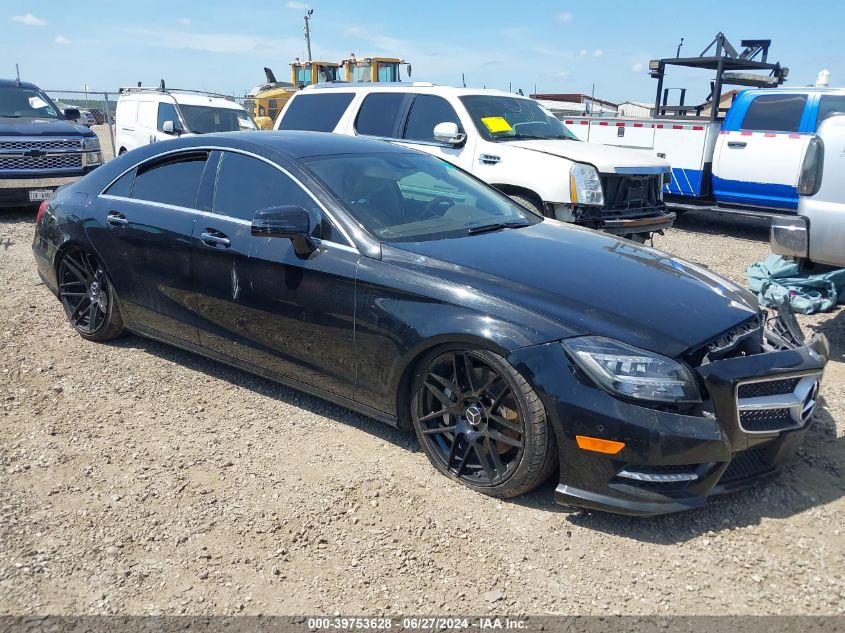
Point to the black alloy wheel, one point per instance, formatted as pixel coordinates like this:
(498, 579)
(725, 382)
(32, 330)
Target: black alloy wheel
(87, 297)
(481, 423)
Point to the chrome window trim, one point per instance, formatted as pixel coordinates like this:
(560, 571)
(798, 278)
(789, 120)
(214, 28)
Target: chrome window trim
(332, 219)
(218, 216)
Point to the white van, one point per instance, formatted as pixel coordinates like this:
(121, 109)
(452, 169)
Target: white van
(147, 115)
(506, 140)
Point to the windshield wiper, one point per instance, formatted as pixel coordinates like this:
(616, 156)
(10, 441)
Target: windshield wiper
(496, 226)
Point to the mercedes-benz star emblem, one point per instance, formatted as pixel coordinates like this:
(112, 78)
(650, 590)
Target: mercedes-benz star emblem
(474, 415)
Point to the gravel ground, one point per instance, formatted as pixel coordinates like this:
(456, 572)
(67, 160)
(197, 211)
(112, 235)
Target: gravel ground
(139, 479)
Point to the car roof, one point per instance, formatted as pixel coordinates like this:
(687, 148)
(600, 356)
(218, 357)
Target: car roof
(182, 98)
(416, 87)
(289, 144)
(7, 83)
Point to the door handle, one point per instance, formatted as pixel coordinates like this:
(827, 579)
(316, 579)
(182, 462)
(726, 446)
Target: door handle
(737, 144)
(115, 218)
(215, 238)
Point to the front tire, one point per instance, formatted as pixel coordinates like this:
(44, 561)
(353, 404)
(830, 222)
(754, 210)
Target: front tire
(480, 422)
(88, 297)
(532, 204)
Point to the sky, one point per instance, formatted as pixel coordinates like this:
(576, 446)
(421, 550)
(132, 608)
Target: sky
(550, 46)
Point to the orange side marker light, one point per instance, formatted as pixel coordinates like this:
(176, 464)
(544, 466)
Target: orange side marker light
(598, 445)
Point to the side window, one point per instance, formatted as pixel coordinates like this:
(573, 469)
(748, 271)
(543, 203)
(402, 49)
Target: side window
(122, 186)
(246, 185)
(175, 180)
(426, 112)
(776, 113)
(316, 113)
(166, 112)
(828, 106)
(379, 113)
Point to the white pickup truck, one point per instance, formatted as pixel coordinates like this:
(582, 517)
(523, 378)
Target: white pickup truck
(750, 161)
(817, 234)
(506, 140)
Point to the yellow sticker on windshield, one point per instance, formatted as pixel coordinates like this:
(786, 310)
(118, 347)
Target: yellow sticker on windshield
(496, 124)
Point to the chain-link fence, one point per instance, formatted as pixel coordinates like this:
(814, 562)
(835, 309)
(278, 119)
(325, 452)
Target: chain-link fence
(96, 111)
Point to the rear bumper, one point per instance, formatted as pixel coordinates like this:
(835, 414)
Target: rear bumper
(790, 236)
(672, 460)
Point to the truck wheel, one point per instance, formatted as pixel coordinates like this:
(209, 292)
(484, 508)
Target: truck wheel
(531, 204)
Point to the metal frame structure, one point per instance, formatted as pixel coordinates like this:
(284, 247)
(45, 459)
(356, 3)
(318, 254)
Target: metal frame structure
(729, 66)
(162, 89)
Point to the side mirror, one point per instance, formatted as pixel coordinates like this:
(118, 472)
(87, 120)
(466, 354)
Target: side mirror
(72, 114)
(449, 133)
(171, 127)
(288, 221)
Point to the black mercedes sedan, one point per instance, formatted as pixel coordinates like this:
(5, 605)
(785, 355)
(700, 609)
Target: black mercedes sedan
(396, 284)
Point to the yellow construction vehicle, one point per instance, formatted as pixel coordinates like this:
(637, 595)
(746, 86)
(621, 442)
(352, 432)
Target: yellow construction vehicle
(267, 100)
(373, 69)
(307, 73)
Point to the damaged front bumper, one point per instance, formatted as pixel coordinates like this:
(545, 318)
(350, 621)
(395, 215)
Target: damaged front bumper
(757, 410)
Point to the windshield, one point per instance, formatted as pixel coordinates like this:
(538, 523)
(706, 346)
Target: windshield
(16, 102)
(410, 197)
(500, 118)
(207, 119)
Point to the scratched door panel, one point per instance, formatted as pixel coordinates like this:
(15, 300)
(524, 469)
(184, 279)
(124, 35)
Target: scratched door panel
(219, 256)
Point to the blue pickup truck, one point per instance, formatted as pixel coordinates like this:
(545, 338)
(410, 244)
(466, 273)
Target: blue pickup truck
(759, 158)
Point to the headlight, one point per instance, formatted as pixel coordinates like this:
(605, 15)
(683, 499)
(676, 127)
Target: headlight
(585, 185)
(632, 373)
(91, 144)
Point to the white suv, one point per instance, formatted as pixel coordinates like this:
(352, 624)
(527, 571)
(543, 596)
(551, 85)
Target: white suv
(147, 115)
(507, 140)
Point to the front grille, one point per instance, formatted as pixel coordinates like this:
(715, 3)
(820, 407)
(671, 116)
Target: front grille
(624, 192)
(768, 388)
(776, 404)
(44, 145)
(746, 464)
(766, 420)
(61, 161)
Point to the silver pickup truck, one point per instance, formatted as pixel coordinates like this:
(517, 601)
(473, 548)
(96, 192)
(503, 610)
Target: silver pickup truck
(41, 148)
(817, 233)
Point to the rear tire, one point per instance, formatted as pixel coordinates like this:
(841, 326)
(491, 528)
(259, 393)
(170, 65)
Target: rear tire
(480, 423)
(88, 297)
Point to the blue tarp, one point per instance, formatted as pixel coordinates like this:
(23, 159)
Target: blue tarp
(779, 280)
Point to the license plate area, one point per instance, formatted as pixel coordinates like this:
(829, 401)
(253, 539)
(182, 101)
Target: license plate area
(38, 195)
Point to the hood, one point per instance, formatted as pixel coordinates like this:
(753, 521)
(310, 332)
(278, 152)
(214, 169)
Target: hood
(590, 282)
(41, 127)
(605, 158)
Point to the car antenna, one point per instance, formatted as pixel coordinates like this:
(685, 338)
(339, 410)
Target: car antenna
(18, 73)
(161, 86)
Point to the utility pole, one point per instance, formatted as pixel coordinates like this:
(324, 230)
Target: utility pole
(308, 31)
